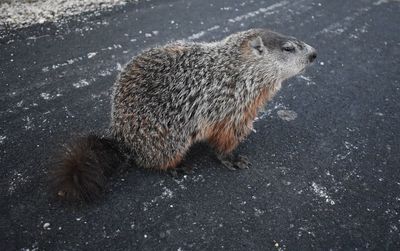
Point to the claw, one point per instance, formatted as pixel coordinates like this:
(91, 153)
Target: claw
(234, 162)
(180, 170)
(228, 164)
(242, 162)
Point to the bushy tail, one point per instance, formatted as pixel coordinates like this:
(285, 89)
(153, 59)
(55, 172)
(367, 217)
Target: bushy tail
(82, 169)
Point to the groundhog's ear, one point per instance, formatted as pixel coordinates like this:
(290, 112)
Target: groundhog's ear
(257, 45)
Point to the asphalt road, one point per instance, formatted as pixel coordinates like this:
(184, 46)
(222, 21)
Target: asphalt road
(326, 151)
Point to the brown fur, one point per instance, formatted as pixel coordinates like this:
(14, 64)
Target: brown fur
(172, 163)
(176, 49)
(225, 136)
(222, 136)
(252, 110)
(246, 50)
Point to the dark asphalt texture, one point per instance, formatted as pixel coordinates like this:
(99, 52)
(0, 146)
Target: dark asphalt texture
(325, 177)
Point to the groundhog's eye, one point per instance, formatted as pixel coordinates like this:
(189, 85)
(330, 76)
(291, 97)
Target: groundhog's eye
(289, 48)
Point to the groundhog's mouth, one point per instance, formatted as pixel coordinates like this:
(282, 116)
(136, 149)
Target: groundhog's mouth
(305, 67)
(303, 70)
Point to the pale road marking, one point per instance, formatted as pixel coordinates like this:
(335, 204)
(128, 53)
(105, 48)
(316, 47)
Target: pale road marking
(239, 18)
(202, 33)
(338, 28)
(385, 1)
(80, 58)
(257, 12)
(2, 138)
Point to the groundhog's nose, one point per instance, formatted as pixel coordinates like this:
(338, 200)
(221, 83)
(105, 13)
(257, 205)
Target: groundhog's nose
(312, 56)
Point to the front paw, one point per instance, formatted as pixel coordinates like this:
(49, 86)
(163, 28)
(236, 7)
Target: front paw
(234, 162)
(242, 162)
(181, 170)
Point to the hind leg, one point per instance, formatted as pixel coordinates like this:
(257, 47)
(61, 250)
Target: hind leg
(165, 153)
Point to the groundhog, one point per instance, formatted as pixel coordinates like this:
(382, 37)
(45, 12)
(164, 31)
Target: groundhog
(170, 97)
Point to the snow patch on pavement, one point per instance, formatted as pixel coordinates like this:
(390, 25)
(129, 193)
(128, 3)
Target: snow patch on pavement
(16, 180)
(265, 113)
(320, 191)
(81, 83)
(350, 148)
(45, 96)
(308, 80)
(18, 14)
(287, 115)
(165, 195)
(91, 54)
(48, 96)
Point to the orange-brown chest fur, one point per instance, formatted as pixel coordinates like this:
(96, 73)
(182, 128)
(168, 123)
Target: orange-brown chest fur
(253, 108)
(227, 133)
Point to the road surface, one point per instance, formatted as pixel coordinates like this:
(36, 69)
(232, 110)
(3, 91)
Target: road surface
(325, 152)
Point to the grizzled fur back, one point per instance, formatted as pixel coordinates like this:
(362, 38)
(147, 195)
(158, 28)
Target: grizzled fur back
(167, 96)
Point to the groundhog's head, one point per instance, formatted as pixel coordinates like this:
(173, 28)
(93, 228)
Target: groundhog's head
(287, 56)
